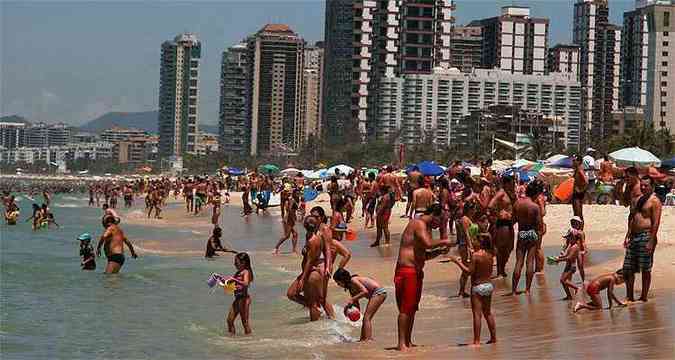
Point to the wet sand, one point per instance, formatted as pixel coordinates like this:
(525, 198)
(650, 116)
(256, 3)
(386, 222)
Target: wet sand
(538, 325)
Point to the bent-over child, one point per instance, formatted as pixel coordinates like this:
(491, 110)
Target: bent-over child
(362, 287)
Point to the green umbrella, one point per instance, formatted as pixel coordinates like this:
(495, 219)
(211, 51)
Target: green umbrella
(269, 169)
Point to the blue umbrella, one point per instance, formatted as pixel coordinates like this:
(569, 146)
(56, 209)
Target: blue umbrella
(235, 171)
(669, 164)
(430, 168)
(562, 163)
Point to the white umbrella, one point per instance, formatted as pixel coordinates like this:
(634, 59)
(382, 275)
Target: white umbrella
(344, 170)
(319, 174)
(290, 171)
(555, 158)
(635, 156)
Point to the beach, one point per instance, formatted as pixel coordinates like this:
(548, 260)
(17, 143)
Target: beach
(536, 326)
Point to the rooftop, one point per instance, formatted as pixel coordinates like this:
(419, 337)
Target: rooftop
(277, 28)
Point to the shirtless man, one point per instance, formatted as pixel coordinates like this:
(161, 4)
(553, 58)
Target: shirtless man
(409, 274)
(385, 203)
(527, 214)
(415, 179)
(501, 210)
(422, 198)
(641, 238)
(580, 187)
(114, 239)
(389, 179)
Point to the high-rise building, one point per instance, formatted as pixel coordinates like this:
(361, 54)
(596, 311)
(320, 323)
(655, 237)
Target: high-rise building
(514, 41)
(368, 40)
(235, 97)
(311, 92)
(276, 68)
(564, 58)
(419, 108)
(179, 96)
(634, 58)
(466, 48)
(12, 134)
(44, 135)
(116, 133)
(600, 45)
(660, 105)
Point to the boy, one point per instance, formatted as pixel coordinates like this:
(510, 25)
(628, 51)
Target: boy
(576, 235)
(87, 252)
(570, 257)
(480, 269)
(593, 288)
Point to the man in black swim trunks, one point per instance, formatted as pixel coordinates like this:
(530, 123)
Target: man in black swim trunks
(114, 239)
(501, 212)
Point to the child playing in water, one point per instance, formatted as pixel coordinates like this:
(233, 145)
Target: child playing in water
(242, 300)
(570, 257)
(576, 235)
(87, 252)
(593, 288)
(480, 269)
(362, 287)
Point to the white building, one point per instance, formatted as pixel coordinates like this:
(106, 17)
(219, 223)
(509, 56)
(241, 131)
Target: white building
(564, 58)
(413, 108)
(56, 154)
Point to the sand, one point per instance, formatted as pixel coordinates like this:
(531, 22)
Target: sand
(538, 325)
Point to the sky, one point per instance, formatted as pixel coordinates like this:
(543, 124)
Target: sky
(74, 61)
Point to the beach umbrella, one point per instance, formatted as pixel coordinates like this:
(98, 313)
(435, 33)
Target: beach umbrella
(634, 156)
(668, 164)
(565, 162)
(371, 171)
(555, 158)
(269, 169)
(306, 173)
(290, 171)
(343, 169)
(318, 174)
(235, 171)
(430, 168)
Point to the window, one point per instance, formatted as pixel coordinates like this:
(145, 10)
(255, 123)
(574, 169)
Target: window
(665, 33)
(663, 104)
(664, 83)
(665, 43)
(665, 53)
(663, 114)
(666, 18)
(664, 73)
(664, 93)
(665, 63)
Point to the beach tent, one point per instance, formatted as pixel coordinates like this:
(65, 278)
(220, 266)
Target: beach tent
(290, 172)
(343, 169)
(306, 173)
(634, 156)
(430, 168)
(269, 169)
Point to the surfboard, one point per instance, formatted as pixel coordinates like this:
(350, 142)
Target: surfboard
(564, 191)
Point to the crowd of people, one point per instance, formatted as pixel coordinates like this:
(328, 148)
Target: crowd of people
(490, 216)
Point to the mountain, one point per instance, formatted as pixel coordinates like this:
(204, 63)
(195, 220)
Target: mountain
(145, 120)
(14, 119)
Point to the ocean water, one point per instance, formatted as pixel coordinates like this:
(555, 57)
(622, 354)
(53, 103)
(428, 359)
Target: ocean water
(158, 307)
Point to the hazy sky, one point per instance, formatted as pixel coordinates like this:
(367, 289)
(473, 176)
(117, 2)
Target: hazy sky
(74, 61)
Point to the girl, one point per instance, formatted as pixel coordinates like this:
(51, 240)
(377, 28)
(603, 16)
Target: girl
(464, 243)
(362, 287)
(242, 300)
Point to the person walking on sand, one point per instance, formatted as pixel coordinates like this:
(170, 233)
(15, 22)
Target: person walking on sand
(113, 241)
(527, 214)
(641, 238)
(580, 187)
(409, 274)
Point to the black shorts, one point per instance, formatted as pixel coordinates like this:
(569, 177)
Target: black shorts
(118, 258)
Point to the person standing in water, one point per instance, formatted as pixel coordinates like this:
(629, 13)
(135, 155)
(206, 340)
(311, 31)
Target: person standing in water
(501, 210)
(241, 305)
(528, 216)
(580, 187)
(409, 274)
(113, 241)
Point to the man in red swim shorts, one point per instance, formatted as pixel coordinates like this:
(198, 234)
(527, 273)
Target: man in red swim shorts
(409, 275)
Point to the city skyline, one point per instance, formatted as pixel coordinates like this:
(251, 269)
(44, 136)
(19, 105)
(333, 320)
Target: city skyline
(53, 70)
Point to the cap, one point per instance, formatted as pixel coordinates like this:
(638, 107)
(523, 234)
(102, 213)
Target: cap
(84, 237)
(590, 149)
(577, 219)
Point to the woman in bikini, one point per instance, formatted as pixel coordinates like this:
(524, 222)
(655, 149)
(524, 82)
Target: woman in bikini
(308, 288)
(290, 217)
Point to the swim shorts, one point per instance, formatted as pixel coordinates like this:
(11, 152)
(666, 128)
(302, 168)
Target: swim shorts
(527, 239)
(484, 289)
(118, 258)
(408, 283)
(638, 258)
(593, 288)
(570, 268)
